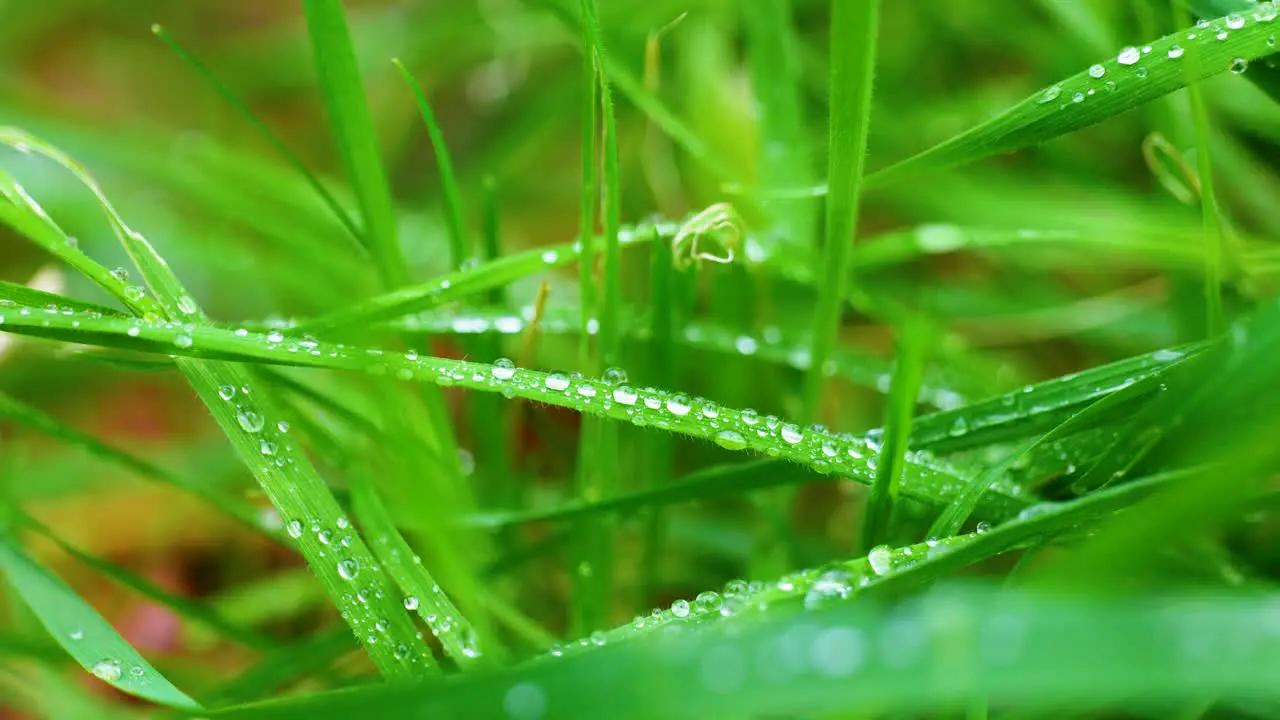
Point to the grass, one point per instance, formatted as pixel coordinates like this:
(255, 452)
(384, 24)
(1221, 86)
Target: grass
(1043, 482)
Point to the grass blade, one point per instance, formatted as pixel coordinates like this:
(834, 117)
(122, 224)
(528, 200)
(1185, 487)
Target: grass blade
(82, 632)
(348, 111)
(853, 58)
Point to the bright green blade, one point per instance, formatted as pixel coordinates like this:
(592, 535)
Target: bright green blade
(82, 632)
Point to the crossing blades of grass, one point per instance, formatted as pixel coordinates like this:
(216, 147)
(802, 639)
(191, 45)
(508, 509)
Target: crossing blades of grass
(246, 414)
(348, 111)
(914, 339)
(82, 632)
(853, 58)
(928, 656)
(1136, 75)
(819, 449)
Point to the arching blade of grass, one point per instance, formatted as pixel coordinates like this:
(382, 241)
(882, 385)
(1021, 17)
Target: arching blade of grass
(34, 419)
(854, 29)
(344, 100)
(1036, 408)
(242, 109)
(821, 450)
(928, 656)
(185, 608)
(1265, 76)
(1133, 77)
(82, 632)
(245, 413)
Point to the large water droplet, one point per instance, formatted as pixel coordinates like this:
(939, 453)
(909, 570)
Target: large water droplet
(881, 559)
(731, 440)
(1128, 56)
(625, 394)
(187, 305)
(410, 603)
(678, 405)
(791, 433)
(557, 381)
(1097, 71)
(348, 569)
(615, 376)
(294, 529)
(1239, 65)
(107, 670)
(226, 392)
(1235, 22)
(1175, 51)
(249, 420)
(831, 585)
(680, 608)
(1050, 94)
(503, 369)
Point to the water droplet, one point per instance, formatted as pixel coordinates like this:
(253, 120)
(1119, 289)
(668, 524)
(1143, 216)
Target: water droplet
(410, 603)
(615, 376)
(557, 381)
(680, 608)
(274, 336)
(107, 670)
(1265, 12)
(294, 529)
(348, 569)
(76, 634)
(598, 638)
(1128, 56)
(1175, 51)
(831, 585)
(1097, 71)
(226, 392)
(710, 411)
(678, 405)
(282, 426)
(503, 369)
(187, 305)
(550, 256)
(791, 433)
(1050, 94)
(881, 559)
(1140, 73)
(249, 420)
(625, 394)
(182, 341)
(708, 602)
(1077, 97)
(1223, 35)
(982, 527)
(1239, 65)
(267, 448)
(324, 536)
(731, 440)
(1235, 22)
(586, 391)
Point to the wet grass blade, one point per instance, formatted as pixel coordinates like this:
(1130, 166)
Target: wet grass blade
(853, 58)
(1136, 75)
(742, 430)
(344, 101)
(82, 632)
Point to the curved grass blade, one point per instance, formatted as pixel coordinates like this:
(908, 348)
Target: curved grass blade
(248, 419)
(183, 607)
(820, 450)
(82, 632)
(1136, 75)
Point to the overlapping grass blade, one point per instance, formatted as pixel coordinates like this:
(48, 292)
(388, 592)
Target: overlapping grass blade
(249, 419)
(82, 632)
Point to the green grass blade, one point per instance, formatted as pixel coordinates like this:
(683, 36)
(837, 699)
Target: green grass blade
(912, 348)
(244, 111)
(183, 607)
(82, 632)
(821, 450)
(348, 111)
(459, 247)
(1209, 212)
(1131, 78)
(853, 59)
